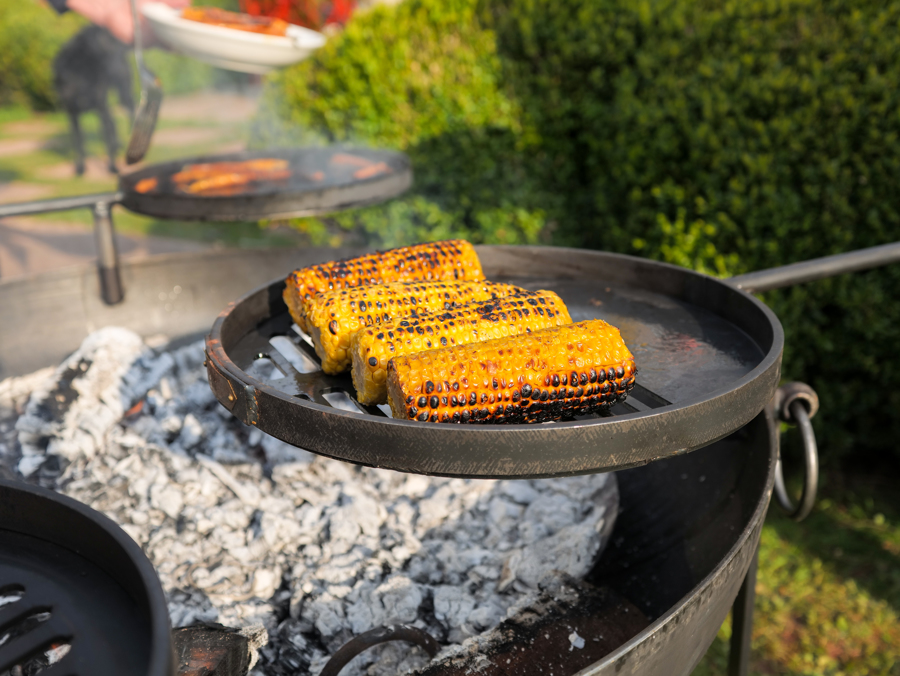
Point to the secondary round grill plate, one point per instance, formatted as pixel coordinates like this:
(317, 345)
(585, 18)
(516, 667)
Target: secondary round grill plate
(708, 358)
(338, 188)
(81, 582)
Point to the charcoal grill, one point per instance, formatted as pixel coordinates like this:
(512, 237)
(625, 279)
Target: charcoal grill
(686, 539)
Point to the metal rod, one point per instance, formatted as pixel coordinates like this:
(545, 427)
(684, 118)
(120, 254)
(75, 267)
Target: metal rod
(742, 622)
(107, 255)
(59, 204)
(817, 268)
(137, 41)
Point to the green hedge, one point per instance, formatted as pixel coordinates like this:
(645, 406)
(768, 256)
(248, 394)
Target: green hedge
(423, 77)
(735, 136)
(31, 33)
(725, 136)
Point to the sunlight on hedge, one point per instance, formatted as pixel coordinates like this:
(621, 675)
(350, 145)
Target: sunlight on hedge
(722, 135)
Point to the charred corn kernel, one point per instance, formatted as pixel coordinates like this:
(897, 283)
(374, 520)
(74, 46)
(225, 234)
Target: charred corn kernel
(531, 378)
(373, 347)
(453, 260)
(334, 316)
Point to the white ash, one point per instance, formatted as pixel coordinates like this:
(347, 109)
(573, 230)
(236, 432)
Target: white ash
(245, 529)
(576, 641)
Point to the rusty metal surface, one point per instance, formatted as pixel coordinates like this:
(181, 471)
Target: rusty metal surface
(708, 355)
(210, 650)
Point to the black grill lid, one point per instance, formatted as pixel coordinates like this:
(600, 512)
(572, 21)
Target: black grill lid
(708, 358)
(79, 581)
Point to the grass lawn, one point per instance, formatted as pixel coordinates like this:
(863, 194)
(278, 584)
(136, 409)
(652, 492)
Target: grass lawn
(828, 591)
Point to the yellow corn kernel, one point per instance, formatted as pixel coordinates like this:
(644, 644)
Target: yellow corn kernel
(536, 377)
(453, 260)
(373, 347)
(334, 316)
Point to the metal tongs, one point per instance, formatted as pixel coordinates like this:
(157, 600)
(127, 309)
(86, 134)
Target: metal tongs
(151, 99)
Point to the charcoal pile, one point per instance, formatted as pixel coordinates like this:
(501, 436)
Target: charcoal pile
(245, 530)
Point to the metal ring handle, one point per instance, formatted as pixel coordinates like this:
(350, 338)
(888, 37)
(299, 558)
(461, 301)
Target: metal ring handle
(395, 632)
(811, 462)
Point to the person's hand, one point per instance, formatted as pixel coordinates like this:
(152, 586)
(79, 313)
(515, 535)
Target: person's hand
(115, 15)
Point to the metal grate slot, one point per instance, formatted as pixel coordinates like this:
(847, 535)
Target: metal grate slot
(11, 594)
(341, 400)
(29, 640)
(640, 400)
(302, 335)
(294, 355)
(625, 407)
(647, 397)
(265, 370)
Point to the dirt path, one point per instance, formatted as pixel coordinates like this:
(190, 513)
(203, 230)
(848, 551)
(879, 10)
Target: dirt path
(30, 247)
(35, 164)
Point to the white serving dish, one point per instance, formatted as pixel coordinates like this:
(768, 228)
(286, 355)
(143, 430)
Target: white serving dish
(227, 47)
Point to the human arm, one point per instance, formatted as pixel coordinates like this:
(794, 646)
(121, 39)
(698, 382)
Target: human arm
(115, 15)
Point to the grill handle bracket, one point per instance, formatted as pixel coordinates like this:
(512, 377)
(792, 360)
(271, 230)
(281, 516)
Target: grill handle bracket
(817, 268)
(797, 403)
(100, 205)
(394, 632)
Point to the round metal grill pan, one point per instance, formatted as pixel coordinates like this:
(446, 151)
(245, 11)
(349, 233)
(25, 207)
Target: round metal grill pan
(708, 358)
(69, 577)
(299, 196)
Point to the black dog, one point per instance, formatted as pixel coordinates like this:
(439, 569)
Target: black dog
(84, 70)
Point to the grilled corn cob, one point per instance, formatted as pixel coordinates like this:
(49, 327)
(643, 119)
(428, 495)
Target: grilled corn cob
(453, 260)
(334, 316)
(372, 347)
(540, 376)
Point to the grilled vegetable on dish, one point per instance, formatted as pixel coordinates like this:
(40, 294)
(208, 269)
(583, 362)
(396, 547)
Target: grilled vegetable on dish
(373, 347)
(215, 16)
(532, 378)
(215, 178)
(145, 185)
(260, 166)
(334, 316)
(453, 259)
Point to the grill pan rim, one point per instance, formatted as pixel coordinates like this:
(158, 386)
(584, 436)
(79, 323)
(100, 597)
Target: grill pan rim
(764, 376)
(272, 203)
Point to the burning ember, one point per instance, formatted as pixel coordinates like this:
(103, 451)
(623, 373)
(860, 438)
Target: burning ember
(245, 530)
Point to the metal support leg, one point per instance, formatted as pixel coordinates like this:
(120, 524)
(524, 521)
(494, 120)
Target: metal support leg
(742, 622)
(107, 255)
